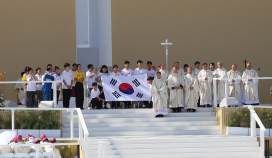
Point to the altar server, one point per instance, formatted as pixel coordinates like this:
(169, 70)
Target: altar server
(175, 85)
(164, 72)
(205, 89)
(67, 79)
(220, 72)
(235, 84)
(197, 69)
(191, 90)
(185, 69)
(159, 96)
(251, 96)
(31, 89)
(180, 70)
(149, 71)
(212, 67)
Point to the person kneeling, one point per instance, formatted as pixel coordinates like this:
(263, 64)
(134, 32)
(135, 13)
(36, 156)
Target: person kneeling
(95, 99)
(159, 96)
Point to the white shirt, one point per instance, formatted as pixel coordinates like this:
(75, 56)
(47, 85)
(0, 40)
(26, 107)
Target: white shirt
(102, 74)
(117, 74)
(73, 73)
(39, 86)
(138, 71)
(94, 93)
(31, 87)
(57, 78)
(90, 80)
(151, 73)
(67, 77)
(128, 72)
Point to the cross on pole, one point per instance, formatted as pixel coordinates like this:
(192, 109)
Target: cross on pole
(166, 44)
(245, 63)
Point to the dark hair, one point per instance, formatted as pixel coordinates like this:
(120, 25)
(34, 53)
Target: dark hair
(29, 69)
(75, 64)
(53, 141)
(197, 62)
(150, 78)
(45, 140)
(126, 62)
(115, 66)
(104, 66)
(66, 65)
(22, 73)
(89, 66)
(79, 64)
(176, 62)
(48, 69)
(159, 65)
(149, 62)
(38, 68)
(212, 64)
(26, 68)
(94, 84)
(186, 65)
(49, 65)
(56, 67)
(139, 61)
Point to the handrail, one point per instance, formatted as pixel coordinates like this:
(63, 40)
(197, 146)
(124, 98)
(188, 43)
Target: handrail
(83, 124)
(253, 119)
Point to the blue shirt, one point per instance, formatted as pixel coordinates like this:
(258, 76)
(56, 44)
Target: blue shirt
(47, 86)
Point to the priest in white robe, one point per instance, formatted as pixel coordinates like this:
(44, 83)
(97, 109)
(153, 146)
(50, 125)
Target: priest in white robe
(205, 86)
(175, 85)
(220, 72)
(191, 89)
(159, 96)
(197, 69)
(250, 96)
(180, 70)
(21, 149)
(235, 84)
(164, 72)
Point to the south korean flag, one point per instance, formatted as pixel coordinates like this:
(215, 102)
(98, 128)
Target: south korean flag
(126, 88)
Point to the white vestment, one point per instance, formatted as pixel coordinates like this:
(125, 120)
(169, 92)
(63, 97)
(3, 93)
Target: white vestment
(220, 73)
(176, 96)
(21, 149)
(235, 87)
(191, 96)
(164, 74)
(196, 71)
(205, 88)
(5, 149)
(159, 100)
(180, 72)
(20, 93)
(250, 87)
(55, 151)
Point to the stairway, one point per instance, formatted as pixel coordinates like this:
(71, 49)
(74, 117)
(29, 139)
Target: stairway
(136, 133)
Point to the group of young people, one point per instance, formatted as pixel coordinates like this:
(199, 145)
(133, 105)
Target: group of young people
(48, 145)
(180, 88)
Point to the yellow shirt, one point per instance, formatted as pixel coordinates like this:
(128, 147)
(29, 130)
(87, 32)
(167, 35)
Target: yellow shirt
(79, 75)
(24, 78)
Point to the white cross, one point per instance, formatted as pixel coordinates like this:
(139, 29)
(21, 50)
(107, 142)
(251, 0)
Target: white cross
(166, 44)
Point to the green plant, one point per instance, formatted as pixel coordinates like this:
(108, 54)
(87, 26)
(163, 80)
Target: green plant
(31, 120)
(66, 151)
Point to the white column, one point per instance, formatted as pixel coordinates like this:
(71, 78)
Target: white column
(13, 121)
(226, 93)
(105, 33)
(55, 94)
(214, 93)
(72, 123)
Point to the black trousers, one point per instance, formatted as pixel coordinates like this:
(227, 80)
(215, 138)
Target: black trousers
(79, 90)
(148, 104)
(115, 104)
(96, 103)
(52, 95)
(102, 95)
(31, 101)
(127, 104)
(66, 97)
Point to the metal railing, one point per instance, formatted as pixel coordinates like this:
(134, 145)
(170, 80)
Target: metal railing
(227, 84)
(83, 130)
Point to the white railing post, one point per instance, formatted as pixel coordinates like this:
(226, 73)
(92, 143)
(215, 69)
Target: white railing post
(55, 94)
(262, 142)
(85, 98)
(86, 146)
(252, 125)
(72, 123)
(37, 151)
(80, 130)
(12, 120)
(226, 93)
(214, 92)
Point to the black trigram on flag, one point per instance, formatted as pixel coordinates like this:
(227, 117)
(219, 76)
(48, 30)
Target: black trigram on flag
(139, 95)
(113, 82)
(116, 94)
(136, 82)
